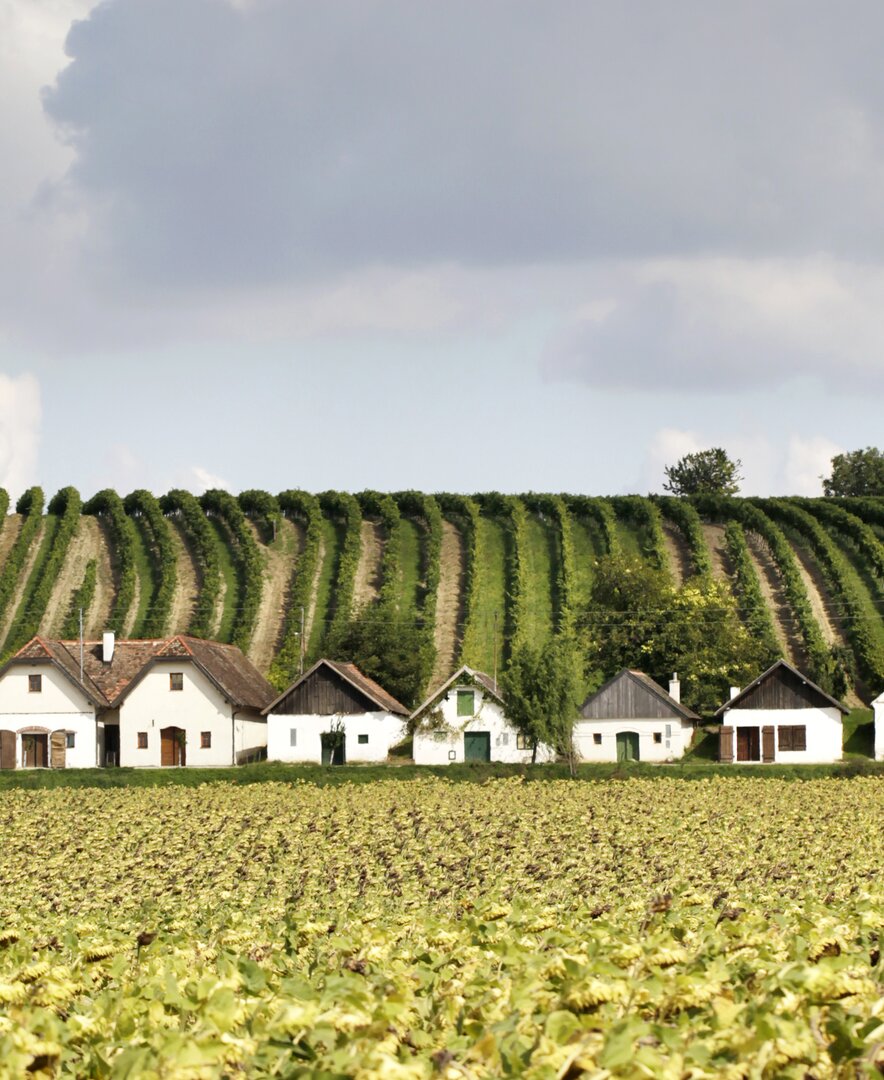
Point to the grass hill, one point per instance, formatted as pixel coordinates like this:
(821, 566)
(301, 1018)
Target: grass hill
(474, 573)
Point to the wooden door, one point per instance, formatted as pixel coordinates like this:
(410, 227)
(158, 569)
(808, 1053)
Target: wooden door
(7, 749)
(627, 746)
(767, 744)
(172, 748)
(477, 746)
(57, 749)
(726, 744)
(748, 744)
(34, 751)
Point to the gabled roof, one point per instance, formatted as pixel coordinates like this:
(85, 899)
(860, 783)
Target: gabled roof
(781, 665)
(485, 681)
(350, 673)
(107, 685)
(646, 682)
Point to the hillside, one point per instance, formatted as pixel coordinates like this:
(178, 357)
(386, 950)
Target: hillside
(474, 574)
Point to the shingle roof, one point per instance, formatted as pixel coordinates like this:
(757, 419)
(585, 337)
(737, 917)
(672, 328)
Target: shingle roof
(351, 673)
(649, 684)
(779, 665)
(477, 676)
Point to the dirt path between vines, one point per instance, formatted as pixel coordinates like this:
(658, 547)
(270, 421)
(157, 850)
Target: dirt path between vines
(677, 553)
(449, 603)
(8, 536)
(23, 576)
(817, 593)
(367, 583)
(186, 583)
(132, 615)
(714, 536)
(82, 548)
(97, 619)
(280, 560)
(314, 592)
(775, 597)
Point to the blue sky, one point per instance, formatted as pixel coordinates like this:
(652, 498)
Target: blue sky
(463, 246)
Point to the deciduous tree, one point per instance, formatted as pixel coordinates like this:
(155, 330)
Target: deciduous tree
(706, 472)
(859, 472)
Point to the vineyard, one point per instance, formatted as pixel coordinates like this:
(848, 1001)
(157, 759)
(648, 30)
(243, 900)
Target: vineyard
(419, 929)
(282, 575)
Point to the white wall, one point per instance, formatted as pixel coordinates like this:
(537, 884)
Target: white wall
(824, 727)
(59, 706)
(445, 744)
(152, 706)
(671, 746)
(878, 706)
(383, 730)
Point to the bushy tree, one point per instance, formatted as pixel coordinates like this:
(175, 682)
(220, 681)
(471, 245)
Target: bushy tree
(637, 618)
(389, 648)
(706, 472)
(541, 688)
(859, 472)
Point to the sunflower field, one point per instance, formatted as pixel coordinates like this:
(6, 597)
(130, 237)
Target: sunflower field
(728, 927)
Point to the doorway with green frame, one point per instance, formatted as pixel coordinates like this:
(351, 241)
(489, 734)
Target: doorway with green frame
(477, 746)
(627, 746)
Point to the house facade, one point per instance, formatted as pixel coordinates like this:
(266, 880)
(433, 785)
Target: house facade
(465, 720)
(781, 717)
(632, 718)
(332, 715)
(178, 701)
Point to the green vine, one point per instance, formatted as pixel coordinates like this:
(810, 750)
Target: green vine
(343, 508)
(375, 504)
(145, 507)
(108, 506)
(81, 598)
(602, 512)
(753, 609)
(203, 545)
(684, 516)
(247, 559)
(554, 507)
(643, 514)
(463, 513)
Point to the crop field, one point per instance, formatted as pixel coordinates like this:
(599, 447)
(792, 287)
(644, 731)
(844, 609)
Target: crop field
(660, 928)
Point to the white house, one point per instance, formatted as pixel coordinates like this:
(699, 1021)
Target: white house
(878, 706)
(333, 714)
(781, 717)
(632, 718)
(464, 720)
(155, 702)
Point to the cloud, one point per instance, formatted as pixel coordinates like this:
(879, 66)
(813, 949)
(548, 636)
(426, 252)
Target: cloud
(20, 414)
(808, 460)
(761, 463)
(202, 480)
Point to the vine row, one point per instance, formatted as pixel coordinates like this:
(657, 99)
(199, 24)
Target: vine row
(303, 507)
(201, 540)
(248, 561)
(374, 504)
(81, 600)
(343, 509)
(684, 516)
(463, 513)
(145, 507)
(755, 612)
(108, 506)
(30, 506)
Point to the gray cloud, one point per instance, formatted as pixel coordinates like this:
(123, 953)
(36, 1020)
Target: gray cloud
(239, 145)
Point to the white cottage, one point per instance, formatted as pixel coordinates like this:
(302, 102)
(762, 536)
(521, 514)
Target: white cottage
(632, 718)
(781, 717)
(878, 706)
(464, 720)
(152, 702)
(334, 714)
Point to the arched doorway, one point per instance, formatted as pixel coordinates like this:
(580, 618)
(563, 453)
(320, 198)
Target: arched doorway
(7, 749)
(34, 748)
(173, 746)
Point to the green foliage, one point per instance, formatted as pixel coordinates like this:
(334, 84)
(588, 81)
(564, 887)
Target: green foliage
(426, 508)
(602, 512)
(65, 506)
(857, 473)
(637, 618)
(706, 472)
(510, 512)
(30, 504)
(263, 509)
(145, 508)
(684, 516)
(541, 686)
(553, 507)
(464, 514)
(374, 504)
(388, 647)
(248, 561)
(108, 506)
(853, 530)
(4, 505)
(644, 515)
(343, 509)
(203, 545)
(81, 599)
(753, 609)
(303, 507)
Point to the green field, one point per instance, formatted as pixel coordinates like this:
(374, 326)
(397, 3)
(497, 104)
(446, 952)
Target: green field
(726, 928)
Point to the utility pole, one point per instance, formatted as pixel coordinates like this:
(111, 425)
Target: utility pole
(495, 651)
(301, 645)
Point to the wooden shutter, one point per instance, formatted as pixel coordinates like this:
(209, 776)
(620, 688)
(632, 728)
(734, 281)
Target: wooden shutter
(799, 737)
(767, 744)
(726, 744)
(57, 749)
(784, 737)
(7, 749)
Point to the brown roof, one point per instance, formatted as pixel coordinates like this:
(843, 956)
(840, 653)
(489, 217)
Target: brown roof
(477, 676)
(375, 693)
(776, 667)
(107, 684)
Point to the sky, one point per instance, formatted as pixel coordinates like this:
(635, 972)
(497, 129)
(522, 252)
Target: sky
(480, 245)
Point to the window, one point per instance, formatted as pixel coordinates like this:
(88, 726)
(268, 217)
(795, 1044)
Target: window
(466, 703)
(669, 731)
(439, 736)
(658, 736)
(362, 740)
(35, 684)
(523, 742)
(142, 740)
(293, 736)
(597, 738)
(176, 680)
(70, 739)
(792, 737)
(205, 740)
(452, 755)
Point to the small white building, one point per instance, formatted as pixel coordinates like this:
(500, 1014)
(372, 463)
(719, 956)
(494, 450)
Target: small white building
(151, 702)
(878, 706)
(781, 717)
(464, 720)
(334, 715)
(632, 718)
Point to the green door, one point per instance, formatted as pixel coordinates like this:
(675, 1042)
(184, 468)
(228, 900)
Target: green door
(627, 746)
(477, 746)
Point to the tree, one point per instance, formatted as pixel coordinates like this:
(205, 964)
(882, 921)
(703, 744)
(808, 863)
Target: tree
(706, 472)
(859, 472)
(541, 690)
(389, 648)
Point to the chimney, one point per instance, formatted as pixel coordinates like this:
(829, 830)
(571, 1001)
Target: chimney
(734, 691)
(675, 688)
(107, 647)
